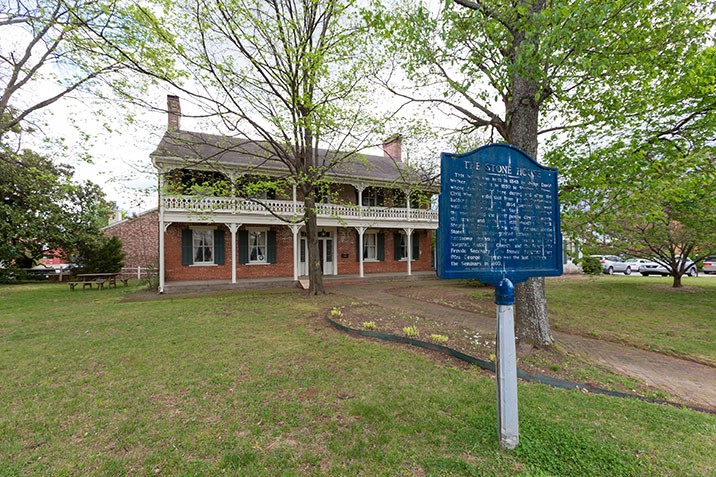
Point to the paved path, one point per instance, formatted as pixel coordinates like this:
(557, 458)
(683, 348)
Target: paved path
(692, 382)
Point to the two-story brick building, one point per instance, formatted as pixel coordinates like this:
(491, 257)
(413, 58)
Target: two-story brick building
(214, 233)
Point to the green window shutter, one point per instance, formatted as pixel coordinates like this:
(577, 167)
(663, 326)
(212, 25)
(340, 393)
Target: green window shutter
(416, 245)
(381, 247)
(396, 245)
(243, 246)
(358, 246)
(271, 252)
(187, 247)
(219, 247)
(380, 197)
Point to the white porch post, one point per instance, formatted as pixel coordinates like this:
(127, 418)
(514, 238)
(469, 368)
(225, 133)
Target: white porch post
(295, 204)
(361, 231)
(162, 231)
(161, 248)
(295, 229)
(360, 188)
(409, 246)
(233, 228)
(407, 202)
(163, 226)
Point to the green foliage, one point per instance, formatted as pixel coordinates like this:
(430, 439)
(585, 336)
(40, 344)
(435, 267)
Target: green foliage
(440, 339)
(42, 208)
(71, 46)
(102, 256)
(411, 331)
(591, 266)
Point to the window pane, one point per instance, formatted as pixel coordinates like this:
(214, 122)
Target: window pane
(257, 246)
(369, 246)
(203, 241)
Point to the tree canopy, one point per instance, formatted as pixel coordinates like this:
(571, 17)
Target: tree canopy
(526, 68)
(42, 208)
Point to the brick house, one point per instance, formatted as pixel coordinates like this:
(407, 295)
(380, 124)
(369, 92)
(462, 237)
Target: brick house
(209, 235)
(140, 239)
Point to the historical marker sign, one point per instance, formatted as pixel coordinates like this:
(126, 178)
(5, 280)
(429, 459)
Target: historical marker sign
(499, 216)
(499, 223)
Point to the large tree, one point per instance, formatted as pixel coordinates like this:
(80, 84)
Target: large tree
(525, 68)
(51, 49)
(289, 74)
(42, 208)
(650, 190)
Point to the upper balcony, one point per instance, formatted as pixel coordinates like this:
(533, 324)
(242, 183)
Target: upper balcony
(192, 208)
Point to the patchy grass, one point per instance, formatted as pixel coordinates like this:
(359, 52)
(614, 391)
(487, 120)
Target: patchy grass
(255, 383)
(644, 312)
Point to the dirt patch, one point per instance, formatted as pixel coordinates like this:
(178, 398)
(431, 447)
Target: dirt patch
(554, 362)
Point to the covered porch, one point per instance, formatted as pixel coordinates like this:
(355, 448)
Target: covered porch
(186, 286)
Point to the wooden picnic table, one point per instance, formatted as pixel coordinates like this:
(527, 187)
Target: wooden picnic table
(99, 279)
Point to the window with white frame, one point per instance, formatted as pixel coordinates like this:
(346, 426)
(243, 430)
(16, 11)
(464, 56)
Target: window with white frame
(370, 246)
(370, 197)
(203, 246)
(403, 247)
(258, 246)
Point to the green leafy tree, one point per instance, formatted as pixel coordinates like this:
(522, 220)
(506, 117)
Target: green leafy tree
(100, 256)
(42, 208)
(652, 192)
(54, 48)
(525, 68)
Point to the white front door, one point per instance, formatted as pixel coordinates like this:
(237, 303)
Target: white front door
(326, 254)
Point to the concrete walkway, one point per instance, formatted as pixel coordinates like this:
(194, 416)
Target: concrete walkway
(691, 382)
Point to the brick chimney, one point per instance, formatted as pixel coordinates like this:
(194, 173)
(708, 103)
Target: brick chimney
(393, 148)
(173, 113)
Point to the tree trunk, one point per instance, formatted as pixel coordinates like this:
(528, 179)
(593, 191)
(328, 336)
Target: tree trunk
(315, 275)
(677, 281)
(531, 320)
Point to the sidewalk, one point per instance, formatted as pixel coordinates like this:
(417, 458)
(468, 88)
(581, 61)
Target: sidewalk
(692, 382)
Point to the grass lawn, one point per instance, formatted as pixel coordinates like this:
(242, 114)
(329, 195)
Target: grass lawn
(255, 383)
(641, 311)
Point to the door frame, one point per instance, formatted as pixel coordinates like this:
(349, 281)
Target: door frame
(329, 268)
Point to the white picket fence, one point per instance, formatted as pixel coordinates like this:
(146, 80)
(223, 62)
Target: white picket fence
(146, 273)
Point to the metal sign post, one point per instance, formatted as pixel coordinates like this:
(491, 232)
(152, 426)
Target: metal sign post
(499, 223)
(506, 367)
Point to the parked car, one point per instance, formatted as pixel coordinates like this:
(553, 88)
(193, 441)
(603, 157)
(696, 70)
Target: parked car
(612, 263)
(709, 265)
(655, 268)
(635, 263)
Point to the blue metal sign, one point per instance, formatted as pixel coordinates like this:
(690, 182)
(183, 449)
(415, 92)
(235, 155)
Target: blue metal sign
(499, 216)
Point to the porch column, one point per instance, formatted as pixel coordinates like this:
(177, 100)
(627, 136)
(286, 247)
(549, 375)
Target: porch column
(360, 188)
(295, 229)
(409, 246)
(407, 203)
(295, 204)
(233, 228)
(361, 231)
(163, 226)
(162, 230)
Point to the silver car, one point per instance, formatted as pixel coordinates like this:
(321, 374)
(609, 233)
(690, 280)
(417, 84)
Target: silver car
(655, 268)
(710, 265)
(612, 263)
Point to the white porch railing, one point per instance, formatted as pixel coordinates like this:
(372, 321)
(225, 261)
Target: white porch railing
(194, 204)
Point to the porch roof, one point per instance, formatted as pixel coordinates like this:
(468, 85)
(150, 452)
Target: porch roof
(186, 148)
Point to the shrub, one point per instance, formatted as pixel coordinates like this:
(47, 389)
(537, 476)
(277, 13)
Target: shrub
(101, 256)
(439, 338)
(369, 325)
(591, 266)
